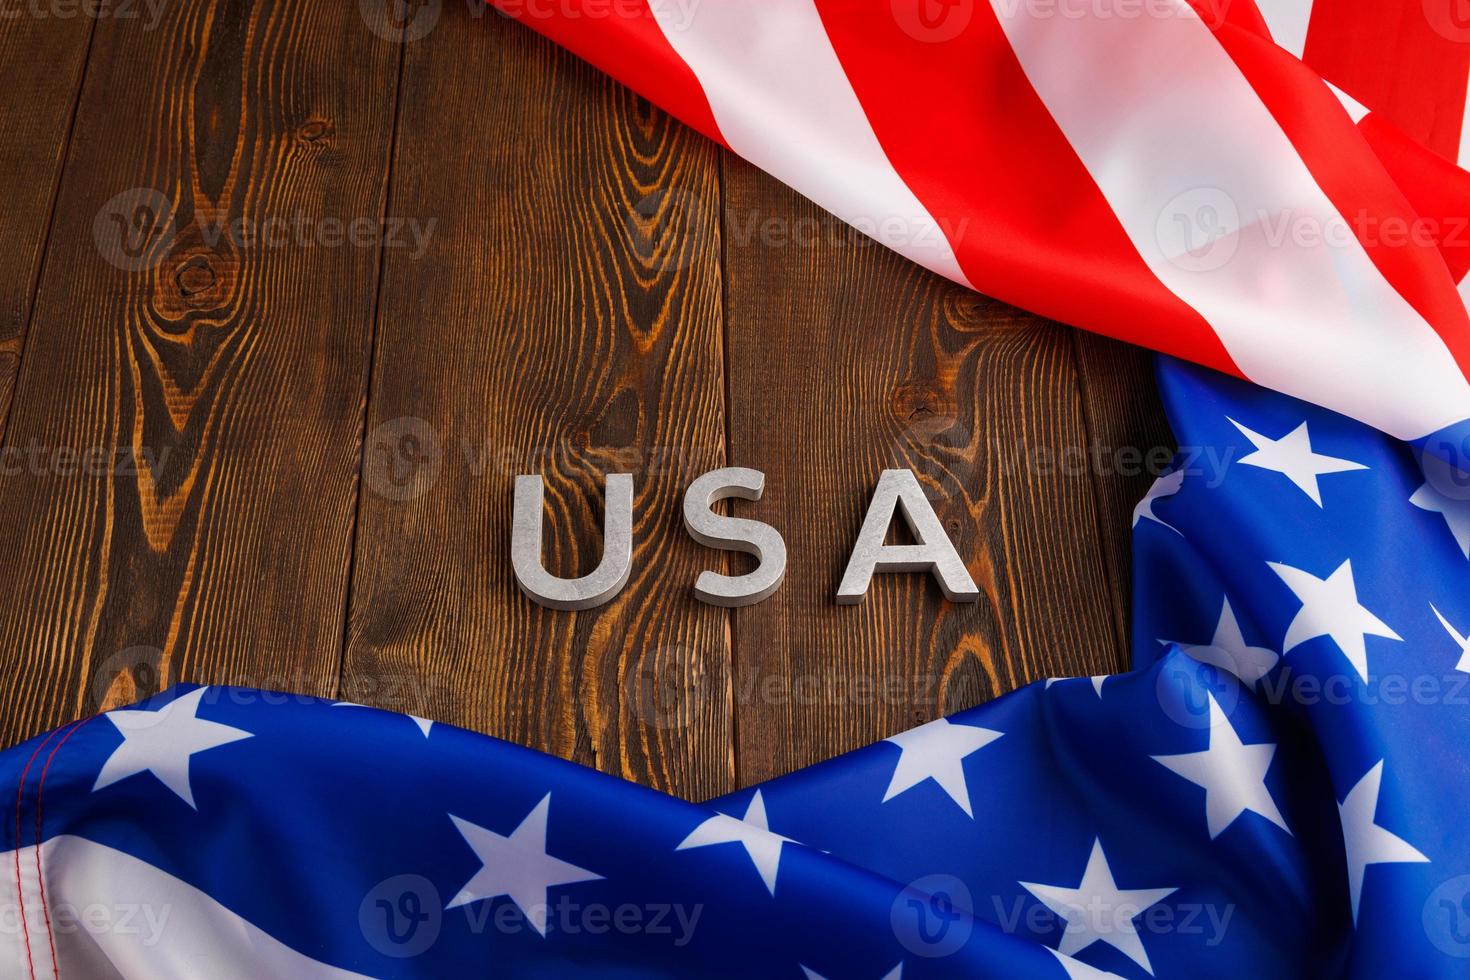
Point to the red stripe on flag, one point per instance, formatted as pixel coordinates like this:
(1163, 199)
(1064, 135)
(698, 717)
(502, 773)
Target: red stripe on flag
(1397, 239)
(1407, 60)
(1437, 189)
(969, 135)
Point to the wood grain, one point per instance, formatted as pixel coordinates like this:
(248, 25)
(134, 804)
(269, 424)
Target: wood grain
(41, 60)
(565, 322)
(210, 382)
(307, 451)
(845, 359)
(1129, 445)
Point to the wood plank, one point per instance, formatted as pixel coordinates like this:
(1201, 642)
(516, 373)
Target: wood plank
(846, 359)
(1129, 443)
(41, 60)
(193, 396)
(565, 321)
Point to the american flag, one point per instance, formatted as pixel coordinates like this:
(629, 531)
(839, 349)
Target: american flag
(1159, 171)
(1277, 789)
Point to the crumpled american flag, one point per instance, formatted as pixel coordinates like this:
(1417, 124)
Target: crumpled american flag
(1277, 789)
(1160, 171)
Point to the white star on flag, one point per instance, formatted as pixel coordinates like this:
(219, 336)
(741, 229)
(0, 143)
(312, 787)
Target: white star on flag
(424, 724)
(1330, 608)
(1165, 486)
(1097, 682)
(1097, 910)
(1292, 456)
(1454, 509)
(1367, 843)
(751, 832)
(936, 751)
(1463, 642)
(1232, 774)
(1077, 970)
(1228, 650)
(162, 741)
(517, 866)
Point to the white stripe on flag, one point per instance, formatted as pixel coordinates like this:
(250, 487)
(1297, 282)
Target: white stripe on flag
(1464, 158)
(1228, 217)
(111, 915)
(783, 102)
(1354, 108)
(1288, 21)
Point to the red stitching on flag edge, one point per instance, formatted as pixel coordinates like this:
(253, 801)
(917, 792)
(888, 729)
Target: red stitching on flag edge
(41, 878)
(19, 889)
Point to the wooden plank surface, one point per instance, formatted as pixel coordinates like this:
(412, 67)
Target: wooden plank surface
(1129, 445)
(189, 404)
(846, 359)
(568, 283)
(41, 60)
(565, 322)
